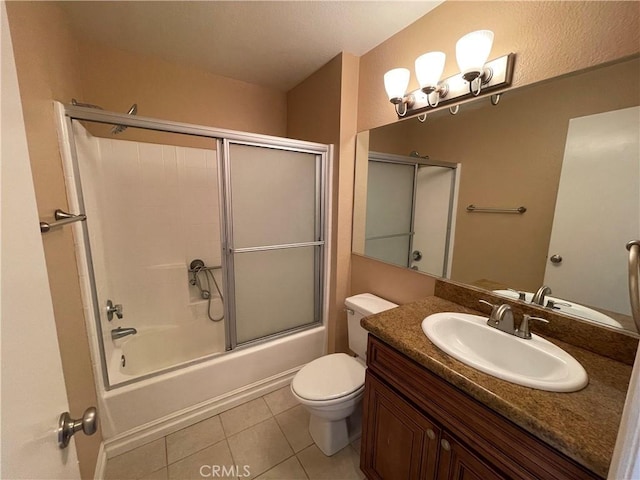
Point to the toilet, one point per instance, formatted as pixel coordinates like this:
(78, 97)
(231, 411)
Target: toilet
(331, 387)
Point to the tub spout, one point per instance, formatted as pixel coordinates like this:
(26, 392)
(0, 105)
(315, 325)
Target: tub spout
(122, 332)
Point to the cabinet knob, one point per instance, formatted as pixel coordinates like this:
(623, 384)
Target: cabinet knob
(445, 444)
(431, 434)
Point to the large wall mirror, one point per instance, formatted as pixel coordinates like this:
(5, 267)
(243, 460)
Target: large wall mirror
(567, 150)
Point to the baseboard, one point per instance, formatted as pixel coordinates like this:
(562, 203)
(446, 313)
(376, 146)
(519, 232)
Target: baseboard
(151, 431)
(101, 463)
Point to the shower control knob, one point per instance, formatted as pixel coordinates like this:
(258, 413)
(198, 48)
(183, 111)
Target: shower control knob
(114, 309)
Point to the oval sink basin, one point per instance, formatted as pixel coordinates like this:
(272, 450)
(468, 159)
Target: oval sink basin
(535, 363)
(573, 309)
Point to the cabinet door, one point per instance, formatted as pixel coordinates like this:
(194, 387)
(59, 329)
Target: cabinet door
(398, 442)
(459, 463)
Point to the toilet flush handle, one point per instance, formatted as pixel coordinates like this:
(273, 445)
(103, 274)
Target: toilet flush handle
(350, 311)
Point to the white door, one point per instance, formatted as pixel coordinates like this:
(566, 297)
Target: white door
(432, 218)
(33, 391)
(597, 210)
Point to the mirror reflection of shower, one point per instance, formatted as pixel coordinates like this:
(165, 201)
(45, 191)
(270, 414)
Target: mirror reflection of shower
(196, 268)
(116, 128)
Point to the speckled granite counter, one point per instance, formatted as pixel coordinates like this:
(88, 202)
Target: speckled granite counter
(583, 425)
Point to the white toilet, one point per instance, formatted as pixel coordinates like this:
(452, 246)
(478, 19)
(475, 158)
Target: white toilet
(332, 386)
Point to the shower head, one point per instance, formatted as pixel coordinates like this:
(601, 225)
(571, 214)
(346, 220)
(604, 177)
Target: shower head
(76, 103)
(121, 128)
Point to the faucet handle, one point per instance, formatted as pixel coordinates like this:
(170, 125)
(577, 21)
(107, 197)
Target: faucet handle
(521, 294)
(553, 304)
(523, 330)
(492, 305)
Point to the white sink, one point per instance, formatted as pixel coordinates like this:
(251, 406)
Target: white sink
(575, 309)
(534, 363)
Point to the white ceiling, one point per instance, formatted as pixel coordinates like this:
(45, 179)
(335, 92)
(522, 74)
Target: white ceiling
(276, 44)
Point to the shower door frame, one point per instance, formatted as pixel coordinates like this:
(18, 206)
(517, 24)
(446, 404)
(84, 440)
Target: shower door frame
(416, 163)
(229, 250)
(67, 113)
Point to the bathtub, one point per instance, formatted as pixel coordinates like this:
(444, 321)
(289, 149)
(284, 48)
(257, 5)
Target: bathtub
(142, 411)
(157, 348)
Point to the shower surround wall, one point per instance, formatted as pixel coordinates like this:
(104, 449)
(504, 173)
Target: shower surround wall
(151, 209)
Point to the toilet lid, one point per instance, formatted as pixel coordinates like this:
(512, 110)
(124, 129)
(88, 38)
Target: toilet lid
(329, 377)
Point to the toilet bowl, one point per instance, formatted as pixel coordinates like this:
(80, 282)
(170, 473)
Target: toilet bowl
(331, 387)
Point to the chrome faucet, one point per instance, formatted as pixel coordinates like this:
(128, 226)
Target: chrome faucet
(122, 332)
(538, 298)
(501, 317)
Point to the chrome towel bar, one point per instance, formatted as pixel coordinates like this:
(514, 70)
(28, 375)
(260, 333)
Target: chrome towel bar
(473, 208)
(62, 218)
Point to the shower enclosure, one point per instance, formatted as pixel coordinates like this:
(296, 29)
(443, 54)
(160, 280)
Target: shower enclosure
(198, 242)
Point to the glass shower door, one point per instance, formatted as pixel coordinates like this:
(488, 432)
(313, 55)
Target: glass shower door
(390, 199)
(274, 243)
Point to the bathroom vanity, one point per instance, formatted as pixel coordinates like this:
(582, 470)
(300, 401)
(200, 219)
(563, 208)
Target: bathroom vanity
(429, 416)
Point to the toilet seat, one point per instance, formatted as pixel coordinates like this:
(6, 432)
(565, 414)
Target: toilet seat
(329, 379)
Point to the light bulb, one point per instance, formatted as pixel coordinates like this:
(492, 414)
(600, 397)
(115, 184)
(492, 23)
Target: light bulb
(472, 52)
(429, 68)
(396, 82)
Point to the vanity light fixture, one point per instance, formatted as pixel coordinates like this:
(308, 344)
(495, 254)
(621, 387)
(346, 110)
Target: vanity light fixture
(476, 77)
(429, 68)
(396, 82)
(472, 52)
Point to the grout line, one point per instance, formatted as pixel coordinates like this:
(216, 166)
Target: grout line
(166, 452)
(302, 464)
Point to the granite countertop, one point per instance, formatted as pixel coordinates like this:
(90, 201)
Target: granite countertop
(583, 425)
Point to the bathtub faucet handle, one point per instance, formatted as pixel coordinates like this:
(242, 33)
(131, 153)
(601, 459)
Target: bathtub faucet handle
(114, 309)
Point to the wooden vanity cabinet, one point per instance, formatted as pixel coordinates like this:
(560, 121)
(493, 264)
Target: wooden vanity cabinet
(418, 426)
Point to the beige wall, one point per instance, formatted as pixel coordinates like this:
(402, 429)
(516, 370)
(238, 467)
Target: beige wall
(396, 284)
(549, 38)
(511, 155)
(323, 109)
(115, 79)
(53, 64)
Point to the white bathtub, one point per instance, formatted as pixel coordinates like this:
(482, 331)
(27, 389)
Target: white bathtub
(158, 348)
(147, 409)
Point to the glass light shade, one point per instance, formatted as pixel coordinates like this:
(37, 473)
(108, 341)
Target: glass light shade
(396, 82)
(472, 51)
(429, 68)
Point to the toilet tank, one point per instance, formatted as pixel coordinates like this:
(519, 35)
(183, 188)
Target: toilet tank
(359, 306)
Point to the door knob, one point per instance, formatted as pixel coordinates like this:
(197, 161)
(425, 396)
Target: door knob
(67, 426)
(557, 259)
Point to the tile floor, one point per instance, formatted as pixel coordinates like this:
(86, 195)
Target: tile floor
(268, 435)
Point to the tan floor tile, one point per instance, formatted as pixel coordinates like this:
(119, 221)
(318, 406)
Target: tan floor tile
(356, 444)
(344, 465)
(138, 462)
(295, 426)
(261, 447)
(244, 416)
(191, 439)
(161, 474)
(204, 464)
(288, 470)
(280, 400)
